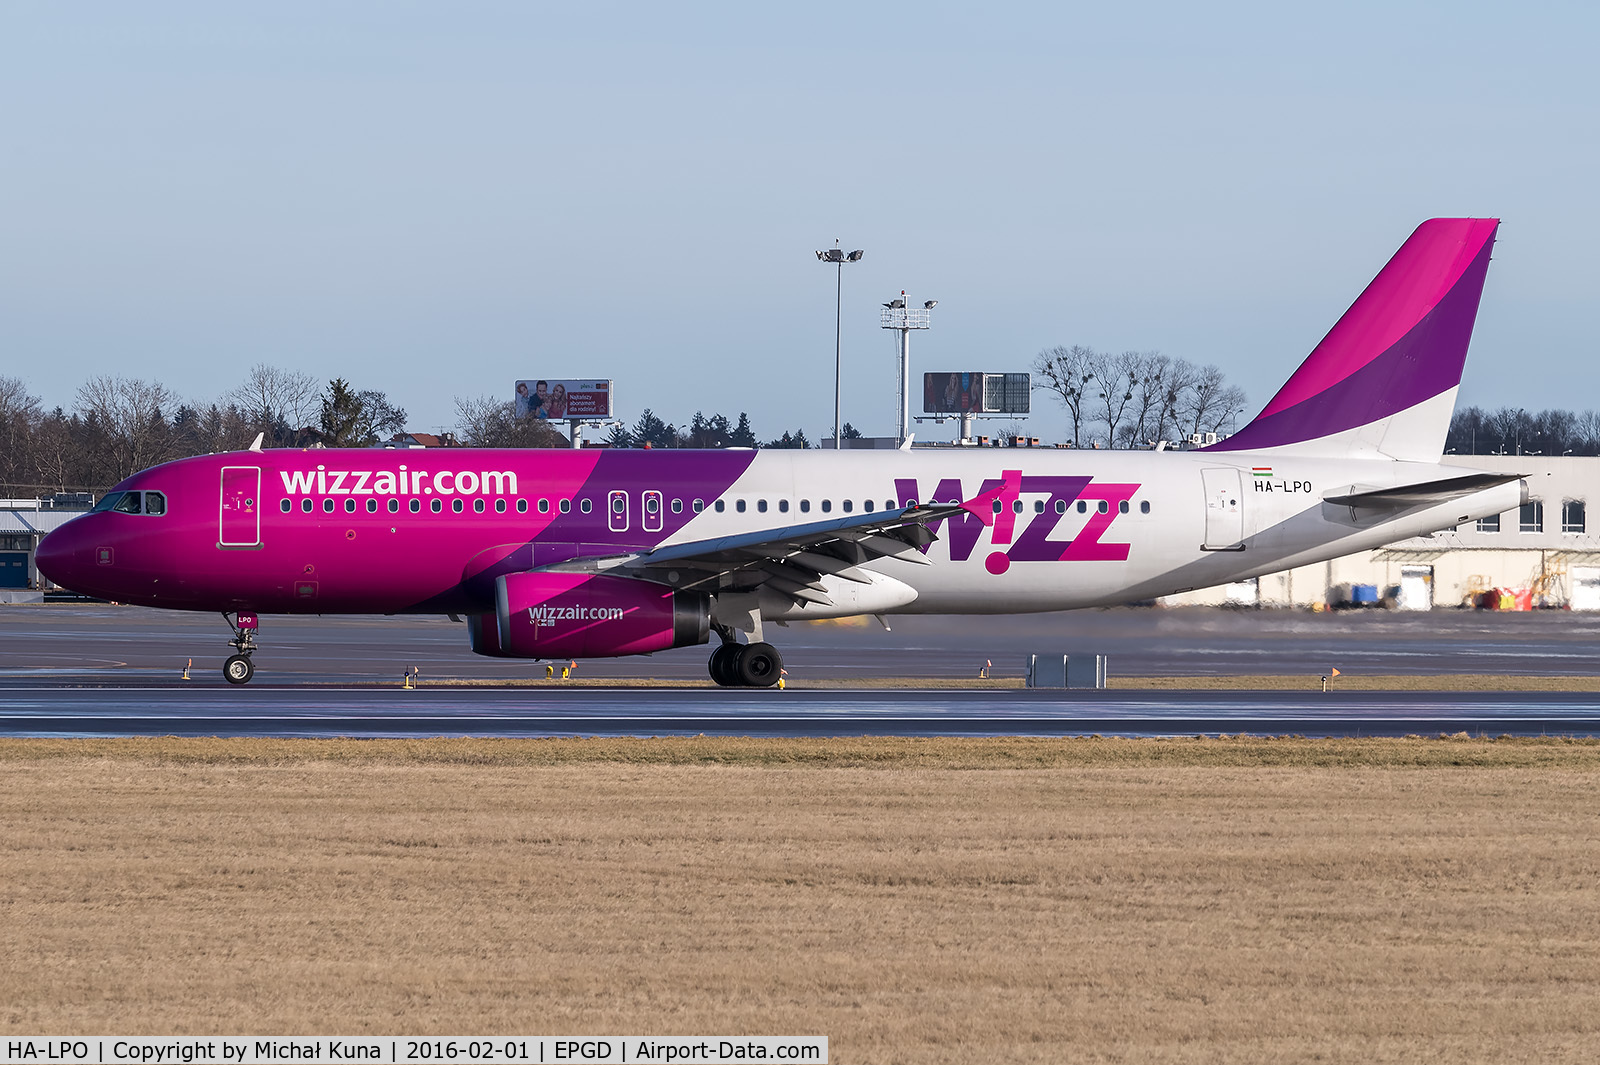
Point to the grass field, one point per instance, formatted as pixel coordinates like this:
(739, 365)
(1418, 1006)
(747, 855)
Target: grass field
(915, 900)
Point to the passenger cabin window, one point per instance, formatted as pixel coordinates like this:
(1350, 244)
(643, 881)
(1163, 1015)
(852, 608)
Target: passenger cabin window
(394, 505)
(849, 505)
(477, 506)
(499, 506)
(327, 506)
(285, 506)
(349, 506)
(372, 506)
(677, 506)
(721, 506)
(436, 505)
(457, 506)
(1144, 506)
(783, 506)
(305, 505)
(739, 506)
(827, 506)
(416, 506)
(522, 506)
(761, 505)
(805, 506)
(698, 505)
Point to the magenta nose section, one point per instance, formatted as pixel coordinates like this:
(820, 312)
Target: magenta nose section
(55, 557)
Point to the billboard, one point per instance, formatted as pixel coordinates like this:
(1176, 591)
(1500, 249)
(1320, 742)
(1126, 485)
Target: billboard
(553, 399)
(976, 393)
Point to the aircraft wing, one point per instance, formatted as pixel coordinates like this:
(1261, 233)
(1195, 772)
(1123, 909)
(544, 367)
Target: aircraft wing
(1426, 493)
(791, 559)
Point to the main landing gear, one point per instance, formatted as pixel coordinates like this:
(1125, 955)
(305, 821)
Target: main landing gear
(238, 669)
(749, 665)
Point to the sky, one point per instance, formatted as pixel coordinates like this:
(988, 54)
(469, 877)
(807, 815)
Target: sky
(435, 200)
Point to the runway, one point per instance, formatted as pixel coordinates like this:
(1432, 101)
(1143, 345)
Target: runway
(500, 712)
(96, 669)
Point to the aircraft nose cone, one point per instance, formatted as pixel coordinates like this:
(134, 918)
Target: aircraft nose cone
(54, 557)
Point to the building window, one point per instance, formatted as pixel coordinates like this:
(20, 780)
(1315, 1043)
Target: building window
(1491, 524)
(1572, 516)
(1531, 517)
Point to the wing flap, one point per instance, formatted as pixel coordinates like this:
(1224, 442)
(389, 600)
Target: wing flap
(1424, 493)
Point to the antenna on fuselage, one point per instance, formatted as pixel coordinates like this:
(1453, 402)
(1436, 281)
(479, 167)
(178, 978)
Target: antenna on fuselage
(255, 445)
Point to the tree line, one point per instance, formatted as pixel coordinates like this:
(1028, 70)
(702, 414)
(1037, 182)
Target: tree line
(1135, 399)
(117, 426)
(1517, 431)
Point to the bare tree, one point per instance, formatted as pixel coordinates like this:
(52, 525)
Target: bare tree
(1071, 374)
(1119, 380)
(488, 422)
(1147, 418)
(125, 419)
(271, 399)
(19, 420)
(271, 395)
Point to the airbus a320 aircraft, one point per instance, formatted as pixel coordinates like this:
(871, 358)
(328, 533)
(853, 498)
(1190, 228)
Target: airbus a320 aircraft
(588, 554)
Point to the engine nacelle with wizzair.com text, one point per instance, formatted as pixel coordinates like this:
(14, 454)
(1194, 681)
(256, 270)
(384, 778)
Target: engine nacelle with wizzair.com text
(580, 615)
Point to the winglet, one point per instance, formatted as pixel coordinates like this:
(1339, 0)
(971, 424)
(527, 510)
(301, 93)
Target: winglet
(981, 506)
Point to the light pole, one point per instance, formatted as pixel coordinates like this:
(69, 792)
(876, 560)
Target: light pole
(903, 319)
(837, 256)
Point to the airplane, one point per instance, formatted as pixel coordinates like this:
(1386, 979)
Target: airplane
(568, 554)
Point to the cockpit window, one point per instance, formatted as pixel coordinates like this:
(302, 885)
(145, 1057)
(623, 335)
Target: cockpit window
(107, 501)
(155, 503)
(129, 504)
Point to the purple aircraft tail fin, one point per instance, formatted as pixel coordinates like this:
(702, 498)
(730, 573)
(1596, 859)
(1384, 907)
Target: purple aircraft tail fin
(1383, 381)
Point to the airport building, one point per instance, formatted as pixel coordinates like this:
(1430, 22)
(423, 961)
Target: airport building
(23, 523)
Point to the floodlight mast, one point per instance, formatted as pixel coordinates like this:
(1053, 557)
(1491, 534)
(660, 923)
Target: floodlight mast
(837, 256)
(898, 316)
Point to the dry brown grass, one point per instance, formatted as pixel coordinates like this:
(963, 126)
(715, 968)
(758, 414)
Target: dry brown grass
(1117, 900)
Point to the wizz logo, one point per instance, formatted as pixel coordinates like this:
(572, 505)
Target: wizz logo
(1033, 543)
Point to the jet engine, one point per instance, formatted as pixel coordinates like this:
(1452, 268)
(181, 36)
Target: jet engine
(580, 615)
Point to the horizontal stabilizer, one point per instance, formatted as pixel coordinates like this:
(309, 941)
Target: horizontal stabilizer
(1426, 493)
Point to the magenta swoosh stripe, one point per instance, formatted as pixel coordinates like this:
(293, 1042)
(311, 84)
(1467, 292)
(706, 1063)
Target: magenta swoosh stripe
(1428, 266)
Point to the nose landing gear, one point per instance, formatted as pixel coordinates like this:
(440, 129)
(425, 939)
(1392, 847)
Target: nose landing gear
(238, 669)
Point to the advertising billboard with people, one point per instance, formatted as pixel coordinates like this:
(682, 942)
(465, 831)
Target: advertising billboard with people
(553, 399)
(975, 393)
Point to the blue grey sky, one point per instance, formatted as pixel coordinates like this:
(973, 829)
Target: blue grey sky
(437, 199)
